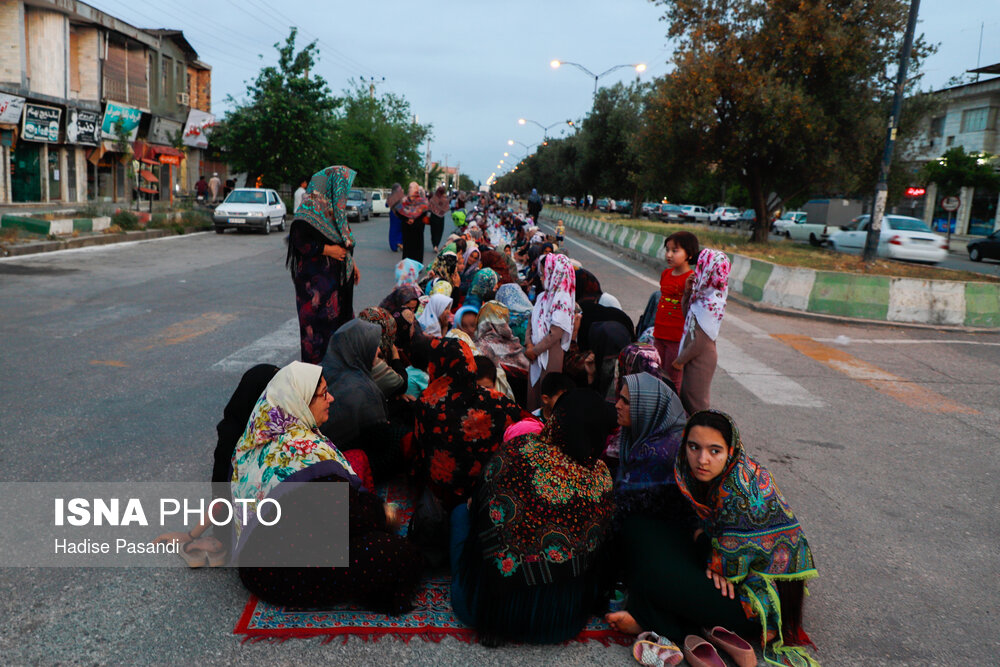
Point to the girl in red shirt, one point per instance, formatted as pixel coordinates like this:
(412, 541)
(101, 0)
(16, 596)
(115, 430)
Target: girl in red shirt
(668, 328)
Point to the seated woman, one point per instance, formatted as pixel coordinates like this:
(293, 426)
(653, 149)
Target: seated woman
(744, 569)
(495, 340)
(652, 422)
(358, 418)
(436, 316)
(482, 288)
(283, 444)
(402, 304)
(529, 562)
(389, 371)
(516, 301)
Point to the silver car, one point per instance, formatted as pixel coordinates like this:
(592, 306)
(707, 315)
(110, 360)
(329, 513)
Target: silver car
(359, 205)
(250, 208)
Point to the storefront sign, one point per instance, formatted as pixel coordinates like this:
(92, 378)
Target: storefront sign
(162, 131)
(199, 126)
(169, 159)
(83, 127)
(10, 109)
(130, 116)
(41, 123)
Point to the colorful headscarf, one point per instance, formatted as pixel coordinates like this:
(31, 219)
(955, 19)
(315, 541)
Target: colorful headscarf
(324, 207)
(458, 424)
(513, 297)
(483, 287)
(708, 295)
(495, 338)
(440, 286)
(438, 202)
(648, 448)
(282, 438)
(636, 358)
(407, 272)
(400, 296)
(387, 324)
(756, 539)
(429, 320)
(555, 307)
(413, 206)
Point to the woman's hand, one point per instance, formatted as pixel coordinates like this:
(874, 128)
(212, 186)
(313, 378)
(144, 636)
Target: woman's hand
(335, 251)
(393, 518)
(677, 365)
(357, 273)
(177, 536)
(529, 350)
(723, 585)
(577, 318)
(590, 365)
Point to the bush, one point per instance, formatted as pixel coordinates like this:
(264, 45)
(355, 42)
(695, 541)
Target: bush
(195, 219)
(158, 220)
(125, 220)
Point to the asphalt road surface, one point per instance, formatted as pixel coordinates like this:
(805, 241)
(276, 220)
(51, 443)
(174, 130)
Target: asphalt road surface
(118, 360)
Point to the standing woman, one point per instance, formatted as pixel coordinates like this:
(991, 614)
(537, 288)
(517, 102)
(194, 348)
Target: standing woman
(320, 256)
(439, 208)
(395, 224)
(413, 211)
(551, 322)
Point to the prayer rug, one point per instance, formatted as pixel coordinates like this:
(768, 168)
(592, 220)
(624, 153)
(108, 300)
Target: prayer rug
(431, 618)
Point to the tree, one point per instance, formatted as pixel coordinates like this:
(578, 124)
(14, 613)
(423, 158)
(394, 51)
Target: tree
(780, 95)
(957, 169)
(465, 183)
(284, 129)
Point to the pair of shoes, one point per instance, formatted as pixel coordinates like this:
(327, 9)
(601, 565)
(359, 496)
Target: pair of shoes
(656, 651)
(210, 549)
(738, 648)
(699, 653)
(193, 557)
(435, 249)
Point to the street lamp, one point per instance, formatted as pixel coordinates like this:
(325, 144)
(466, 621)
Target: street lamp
(545, 128)
(638, 67)
(511, 142)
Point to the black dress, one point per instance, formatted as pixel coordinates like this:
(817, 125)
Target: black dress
(413, 237)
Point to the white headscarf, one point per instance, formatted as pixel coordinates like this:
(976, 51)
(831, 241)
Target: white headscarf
(429, 320)
(555, 307)
(708, 295)
(610, 301)
(292, 389)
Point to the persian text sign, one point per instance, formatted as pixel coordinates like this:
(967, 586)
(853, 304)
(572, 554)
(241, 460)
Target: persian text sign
(129, 116)
(199, 126)
(83, 127)
(10, 109)
(41, 123)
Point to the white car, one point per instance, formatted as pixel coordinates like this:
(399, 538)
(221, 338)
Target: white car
(695, 213)
(782, 224)
(378, 203)
(724, 215)
(250, 208)
(901, 237)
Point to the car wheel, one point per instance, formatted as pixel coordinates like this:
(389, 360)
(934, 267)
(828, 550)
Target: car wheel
(267, 225)
(813, 241)
(788, 235)
(281, 227)
(220, 230)
(975, 255)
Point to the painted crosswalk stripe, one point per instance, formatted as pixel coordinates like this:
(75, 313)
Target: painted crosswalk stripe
(882, 381)
(767, 384)
(278, 347)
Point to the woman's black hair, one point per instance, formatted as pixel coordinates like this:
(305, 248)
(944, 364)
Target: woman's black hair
(711, 420)
(485, 368)
(420, 349)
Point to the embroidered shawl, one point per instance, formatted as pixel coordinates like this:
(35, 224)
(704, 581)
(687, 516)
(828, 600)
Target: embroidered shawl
(324, 207)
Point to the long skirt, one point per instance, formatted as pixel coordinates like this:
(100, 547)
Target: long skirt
(413, 239)
(323, 305)
(437, 229)
(395, 232)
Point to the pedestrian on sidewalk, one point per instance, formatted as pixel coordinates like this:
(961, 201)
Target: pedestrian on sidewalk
(215, 185)
(321, 259)
(439, 208)
(534, 204)
(299, 194)
(414, 211)
(201, 188)
(704, 307)
(668, 327)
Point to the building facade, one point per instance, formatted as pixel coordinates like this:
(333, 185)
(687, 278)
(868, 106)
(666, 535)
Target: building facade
(95, 109)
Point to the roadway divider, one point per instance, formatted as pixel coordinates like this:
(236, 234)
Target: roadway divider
(57, 227)
(824, 293)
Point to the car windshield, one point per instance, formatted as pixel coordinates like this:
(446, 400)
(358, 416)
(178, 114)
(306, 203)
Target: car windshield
(908, 224)
(671, 207)
(732, 210)
(247, 197)
(355, 195)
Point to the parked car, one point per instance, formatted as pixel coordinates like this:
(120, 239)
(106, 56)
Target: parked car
(378, 203)
(787, 219)
(801, 229)
(747, 219)
(359, 205)
(695, 213)
(250, 208)
(647, 207)
(623, 206)
(569, 201)
(603, 203)
(724, 215)
(672, 213)
(985, 248)
(901, 237)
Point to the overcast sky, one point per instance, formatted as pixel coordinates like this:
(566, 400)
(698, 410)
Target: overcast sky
(473, 68)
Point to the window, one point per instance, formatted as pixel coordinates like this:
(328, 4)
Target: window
(950, 141)
(167, 89)
(74, 60)
(937, 126)
(977, 120)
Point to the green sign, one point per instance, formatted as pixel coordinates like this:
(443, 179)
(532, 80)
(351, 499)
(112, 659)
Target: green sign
(130, 116)
(41, 123)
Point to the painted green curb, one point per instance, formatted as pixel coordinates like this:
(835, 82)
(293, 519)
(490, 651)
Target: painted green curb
(33, 225)
(753, 284)
(83, 224)
(850, 295)
(982, 305)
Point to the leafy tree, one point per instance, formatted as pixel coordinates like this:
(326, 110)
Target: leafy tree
(957, 169)
(780, 95)
(465, 183)
(285, 126)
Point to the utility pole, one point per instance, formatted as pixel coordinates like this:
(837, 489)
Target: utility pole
(427, 163)
(458, 173)
(882, 189)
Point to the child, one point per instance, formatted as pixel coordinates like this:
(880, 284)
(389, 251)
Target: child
(417, 378)
(668, 327)
(553, 385)
(486, 372)
(704, 305)
(560, 231)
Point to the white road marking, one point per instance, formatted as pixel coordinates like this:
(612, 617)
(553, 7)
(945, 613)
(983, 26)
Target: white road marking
(740, 323)
(844, 340)
(761, 380)
(612, 260)
(278, 348)
(94, 248)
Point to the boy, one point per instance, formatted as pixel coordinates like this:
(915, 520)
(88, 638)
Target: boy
(417, 378)
(668, 328)
(486, 372)
(560, 232)
(553, 386)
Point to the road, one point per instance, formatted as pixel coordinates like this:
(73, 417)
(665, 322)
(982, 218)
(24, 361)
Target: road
(118, 360)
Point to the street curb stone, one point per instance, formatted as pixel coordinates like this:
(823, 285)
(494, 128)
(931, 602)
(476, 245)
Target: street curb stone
(945, 304)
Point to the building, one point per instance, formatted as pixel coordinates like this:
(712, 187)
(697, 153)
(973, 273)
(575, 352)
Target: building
(95, 109)
(968, 118)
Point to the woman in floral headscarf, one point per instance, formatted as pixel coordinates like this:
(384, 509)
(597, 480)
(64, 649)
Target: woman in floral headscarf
(551, 322)
(482, 288)
(407, 272)
(414, 212)
(704, 307)
(320, 256)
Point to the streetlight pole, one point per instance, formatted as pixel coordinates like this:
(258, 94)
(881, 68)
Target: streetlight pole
(638, 67)
(882, 189)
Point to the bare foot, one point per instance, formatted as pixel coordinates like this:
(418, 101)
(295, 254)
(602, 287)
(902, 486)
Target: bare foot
(771, 634)
(622, 621)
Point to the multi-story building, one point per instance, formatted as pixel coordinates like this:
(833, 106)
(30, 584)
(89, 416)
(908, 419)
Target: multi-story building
(969, 118)
(95, 109)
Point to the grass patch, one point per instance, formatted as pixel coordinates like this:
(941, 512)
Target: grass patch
(789, 253)
(125, 220)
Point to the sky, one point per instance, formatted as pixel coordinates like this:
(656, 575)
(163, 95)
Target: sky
(472, 68)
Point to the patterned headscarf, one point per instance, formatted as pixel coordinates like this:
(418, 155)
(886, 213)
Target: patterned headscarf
(484, 286)
(708, 295)
(400, 296)
(385, 320)
(588, 287)
(513, 297)
(324, 207)
(756, 539)
(636, 358)
(413, 205)
(495, 338)
(440, 286)
(555, 307)
(407, 272)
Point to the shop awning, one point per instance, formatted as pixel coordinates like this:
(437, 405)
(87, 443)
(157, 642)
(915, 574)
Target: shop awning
(144, 151)
(148, 191)
(148, 176)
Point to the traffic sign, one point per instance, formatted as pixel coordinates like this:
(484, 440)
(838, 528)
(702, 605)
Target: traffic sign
(951, 203)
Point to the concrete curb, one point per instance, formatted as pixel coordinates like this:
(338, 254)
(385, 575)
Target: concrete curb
(86, 241)
(58, 227)
(827, 294)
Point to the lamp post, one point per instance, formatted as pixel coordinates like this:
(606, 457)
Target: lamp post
(545, 128)
(638, 67)
(511, 142)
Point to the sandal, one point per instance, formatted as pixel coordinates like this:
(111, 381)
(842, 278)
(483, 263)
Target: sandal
(656, 651)
(699, 653)
(738, 648)
(212, 550)
(193, 557)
